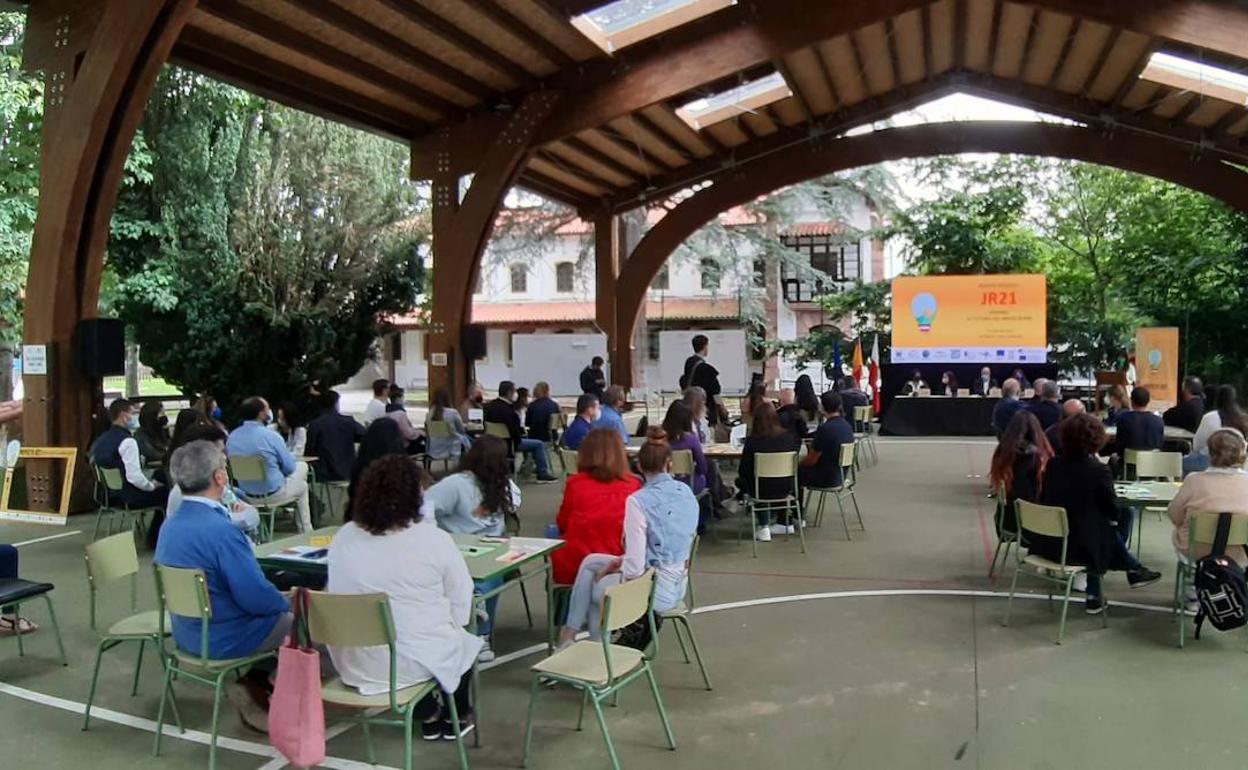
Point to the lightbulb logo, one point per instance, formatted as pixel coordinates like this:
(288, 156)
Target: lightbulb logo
(1154, 360)
(923, 306)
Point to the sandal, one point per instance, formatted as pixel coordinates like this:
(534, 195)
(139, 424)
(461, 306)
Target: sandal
(9, 626)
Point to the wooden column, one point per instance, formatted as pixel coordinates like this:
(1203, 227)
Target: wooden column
(462, 226)
(99, 59)
(606, 273)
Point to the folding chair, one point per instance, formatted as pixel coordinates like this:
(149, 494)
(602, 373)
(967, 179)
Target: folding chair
(14, 592)
(680, 617)
(846, 490)
(251, 469)
(863, 431)
(1005, 537)
(774, 465)
(601, 669)
(1202, 528)
(440, 429)
(109, 484)
(568, 458)
(1050, 521)
(1151, 465)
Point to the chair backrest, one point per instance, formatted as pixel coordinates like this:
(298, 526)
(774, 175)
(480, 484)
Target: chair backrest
(570, 459)
(350, 620)
(775, 465)
(110, 478)
(625, 603)
(248, 468)
(862, 413)
(1042, 519)
(1155, 465)
(1202, 528)
(847, 454)
(556, 421)
(183, 592)
(682, 462)
(438, 429)
(498, 430)
(111, 558)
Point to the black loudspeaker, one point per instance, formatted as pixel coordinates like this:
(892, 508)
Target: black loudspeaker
(472, 342)
(102, 347)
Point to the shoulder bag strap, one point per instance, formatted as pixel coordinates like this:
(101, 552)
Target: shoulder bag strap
(1223, 534)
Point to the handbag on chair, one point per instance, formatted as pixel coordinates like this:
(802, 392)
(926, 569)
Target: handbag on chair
(296, 711)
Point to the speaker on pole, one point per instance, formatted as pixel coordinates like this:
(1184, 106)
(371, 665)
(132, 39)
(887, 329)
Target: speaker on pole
(101, 347)
(472, 342)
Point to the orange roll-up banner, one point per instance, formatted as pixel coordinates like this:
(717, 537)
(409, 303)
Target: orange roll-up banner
(1157, 364)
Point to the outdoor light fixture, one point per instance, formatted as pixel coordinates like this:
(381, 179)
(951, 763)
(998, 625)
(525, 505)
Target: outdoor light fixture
(746, 97)
(620, 24)
(1197, 77)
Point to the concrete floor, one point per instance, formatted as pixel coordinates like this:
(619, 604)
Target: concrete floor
(860, 656)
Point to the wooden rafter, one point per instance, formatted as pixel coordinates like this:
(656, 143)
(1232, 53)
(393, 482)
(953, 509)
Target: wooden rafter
(432, 22)
(1133, 75)
(600, 157)
(549, 188)
(1060, 64)
(520, 30)
(1102, 57)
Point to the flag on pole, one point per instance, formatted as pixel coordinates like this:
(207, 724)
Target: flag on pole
(837, 371)
(875, 374)
(858, 362)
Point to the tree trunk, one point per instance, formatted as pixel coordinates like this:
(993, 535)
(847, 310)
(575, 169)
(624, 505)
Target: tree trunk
(6, 372)
(132, 370)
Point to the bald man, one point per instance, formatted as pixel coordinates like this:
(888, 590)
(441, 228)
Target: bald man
(790, 414)
(1070, 408)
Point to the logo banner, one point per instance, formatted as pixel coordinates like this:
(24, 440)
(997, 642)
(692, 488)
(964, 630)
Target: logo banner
(1157, 364)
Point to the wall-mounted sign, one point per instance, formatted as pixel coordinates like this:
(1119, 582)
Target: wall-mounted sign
(34, 359)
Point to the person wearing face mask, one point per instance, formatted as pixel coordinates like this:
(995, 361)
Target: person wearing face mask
(153, 433)
(915, 384)
(116, 448)
(587, 413)
(285, 479)
(331, 439)
(985, 384)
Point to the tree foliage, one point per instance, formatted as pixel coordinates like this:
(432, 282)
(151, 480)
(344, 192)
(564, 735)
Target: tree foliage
(21, 117)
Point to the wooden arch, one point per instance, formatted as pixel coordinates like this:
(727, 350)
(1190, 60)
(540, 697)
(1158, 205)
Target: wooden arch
(1129, 151)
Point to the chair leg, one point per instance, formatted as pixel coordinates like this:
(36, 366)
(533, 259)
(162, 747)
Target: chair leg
(407, 738)
(996, 555)
(752, 524)
(840, 503)
(580, 716)
(56, 629)
(524, 596)
(95, 676)
(218, 691)
(528, 722)
(1061, 626)
(606, 734)
(800, 524)
(370, 751)
(679, 639)
(165, 692)
(138, 667)
(1009, 601)
(853, 498)
(683, 620)
(17, 630)
(658, 702)
(1180, 602)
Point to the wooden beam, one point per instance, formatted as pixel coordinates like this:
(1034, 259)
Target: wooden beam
(549, 188)
(961, 11)
(573, 170)
(1133, 75)
(435, 24)
(925, 29)
(994, 35)
(798, 97)
(519, 29)
(890, 39)
(245, 17)
(396, 46)
(600, 157)
(1064, 54)
(660, 136)
(1195, 103)
(1102, 56)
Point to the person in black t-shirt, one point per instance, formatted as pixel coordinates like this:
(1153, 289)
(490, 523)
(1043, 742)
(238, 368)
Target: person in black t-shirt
(822, 466)
(593, 379)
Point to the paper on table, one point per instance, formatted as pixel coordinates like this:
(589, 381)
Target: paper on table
(300, 553)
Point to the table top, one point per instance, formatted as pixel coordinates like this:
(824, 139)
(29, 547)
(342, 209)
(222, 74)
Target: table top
(724, 451)
(482, 554)
(1147, 491)
(1172, 433)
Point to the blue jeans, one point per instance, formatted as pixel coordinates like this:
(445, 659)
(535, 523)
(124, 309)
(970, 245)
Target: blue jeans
(486, 627)
(536, 448)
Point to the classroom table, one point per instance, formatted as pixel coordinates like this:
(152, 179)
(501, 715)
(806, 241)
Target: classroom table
(1172, 433)
(938, 416)
(1145, 494)
(528, 556)
(724, 451)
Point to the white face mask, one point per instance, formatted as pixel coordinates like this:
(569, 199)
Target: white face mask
(132, 424)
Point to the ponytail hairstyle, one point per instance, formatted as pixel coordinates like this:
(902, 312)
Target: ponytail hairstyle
(655, 454)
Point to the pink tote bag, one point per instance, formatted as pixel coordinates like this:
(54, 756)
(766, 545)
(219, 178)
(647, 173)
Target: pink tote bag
(296, 712)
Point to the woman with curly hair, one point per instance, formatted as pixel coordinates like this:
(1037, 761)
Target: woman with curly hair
(386, 548)
(1077, 481)
(479, 500)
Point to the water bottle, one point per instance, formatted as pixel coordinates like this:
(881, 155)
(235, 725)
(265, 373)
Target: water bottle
(552, 531)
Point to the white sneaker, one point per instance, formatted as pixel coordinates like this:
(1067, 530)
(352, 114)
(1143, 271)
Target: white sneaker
(486, 655)
(1081, 583)
(763, 534)
(783, 529)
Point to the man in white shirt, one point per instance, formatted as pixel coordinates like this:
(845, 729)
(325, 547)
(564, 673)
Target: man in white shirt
(116, 449)
(376, 408)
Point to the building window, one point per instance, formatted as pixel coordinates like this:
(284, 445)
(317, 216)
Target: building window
(839, 261)
(652, 343)
(710, 274)
(662, 281)
(519, 279)
(564, 277)
(760, 272)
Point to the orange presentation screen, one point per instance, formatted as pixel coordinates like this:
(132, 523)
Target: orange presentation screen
(972, 318)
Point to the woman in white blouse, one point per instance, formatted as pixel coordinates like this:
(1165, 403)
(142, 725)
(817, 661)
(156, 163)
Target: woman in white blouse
(392, 546)
(1226, 414)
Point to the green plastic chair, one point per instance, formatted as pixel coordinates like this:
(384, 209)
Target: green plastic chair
(365, 620)
(184, 592)
(1050, 521)
(440, 429)
(1202, 528)
(1005, 538)
(863, 432)
(601, 669)
(845, 491)
(498, 430)
(109, 482)
(251, 469)
(108, 561)
(773, 465)
(1151, 465)
(569, 458)
(14, 592)
(680, 615)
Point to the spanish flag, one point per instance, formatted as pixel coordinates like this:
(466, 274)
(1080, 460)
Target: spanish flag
(858, 363)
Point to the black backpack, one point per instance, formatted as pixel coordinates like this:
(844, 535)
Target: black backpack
(1220, 586)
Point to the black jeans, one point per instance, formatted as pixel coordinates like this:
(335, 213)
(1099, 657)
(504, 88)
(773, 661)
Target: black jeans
(432, 704)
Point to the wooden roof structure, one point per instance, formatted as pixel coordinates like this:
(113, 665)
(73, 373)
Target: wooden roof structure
(407, 68)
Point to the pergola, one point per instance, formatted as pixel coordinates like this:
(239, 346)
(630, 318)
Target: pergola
(511, 92)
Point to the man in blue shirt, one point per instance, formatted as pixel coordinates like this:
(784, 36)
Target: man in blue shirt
(610, 417)
(583, 423)
(821, 467)
(1008, 406)
(285, 479)
(249, 615)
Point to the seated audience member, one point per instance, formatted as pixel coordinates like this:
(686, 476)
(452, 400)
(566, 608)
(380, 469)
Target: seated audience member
(537, 417)
(1211, 397)
(1023, 383)
(1008, 406)
(1037, 386)
(949, 384)
(474, 400)
(851, 395)
(440, 410)
(10, 623)
(1226, 414)
(152, 435)
(587, 410)
(285, 478)
(249, 615)
(807, 401)
(521, 404)
(679, 432)
(591, 516)
(376, 408)
(1070, 408)
(244, 516)
(397, 411)
(502, 411)
(382, 438)
(1045, 407)
(914, 384)
(659, 523)
(695, 397)
(117, 449)
(289, 425)
(478, 500)
(1223, 488)
(1080, 483)
(1187, 413)
(209, 410)
(1139, 428)
(985, 384)
(756, 395)
(767, 436)
(821, 468)
(1115, 405)
(388, 548)
(610, 413)
(331, 440)
(790, 414)
(1018, 465)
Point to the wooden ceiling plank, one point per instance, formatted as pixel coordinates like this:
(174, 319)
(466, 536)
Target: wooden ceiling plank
(1049, 40)
(518, 28)
(1101, 58)
(1008, 60)
(549, 188)
(798, 96)
(609, 143)
(1065, 54)
(908, 46)
(925, 29)
(439, 26)
(600, 157)
(1190, 109)
(570, 158)
(560, 172)
(660, 136)
(665, 118)
(1220, 126)
(1086, 56)
(994, 34)
(1125, 88)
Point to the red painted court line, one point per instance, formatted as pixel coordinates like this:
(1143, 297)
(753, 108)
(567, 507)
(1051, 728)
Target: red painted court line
(979, 509)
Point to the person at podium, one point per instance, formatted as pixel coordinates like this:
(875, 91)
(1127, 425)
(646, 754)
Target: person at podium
(985, 384)
(949, 382)
(914, 385)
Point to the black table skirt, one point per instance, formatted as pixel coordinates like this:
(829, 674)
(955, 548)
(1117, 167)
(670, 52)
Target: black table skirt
(939, 416)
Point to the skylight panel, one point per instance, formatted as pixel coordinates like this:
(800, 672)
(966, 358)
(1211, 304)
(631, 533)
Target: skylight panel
(1197, 77)
(624, 22)
(747, 97)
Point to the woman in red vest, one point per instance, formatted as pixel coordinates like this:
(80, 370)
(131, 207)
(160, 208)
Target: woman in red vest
(591, 518)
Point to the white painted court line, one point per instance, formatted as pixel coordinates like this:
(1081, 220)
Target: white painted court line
(57, 536)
